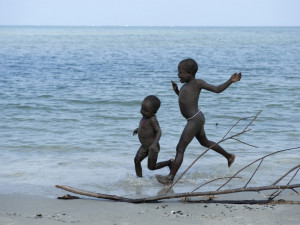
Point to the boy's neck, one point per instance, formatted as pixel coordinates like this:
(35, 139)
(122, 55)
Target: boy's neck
(148, 117)
(191, 78)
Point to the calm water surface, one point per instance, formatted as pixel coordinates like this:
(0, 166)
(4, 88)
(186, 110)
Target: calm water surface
(70, 98)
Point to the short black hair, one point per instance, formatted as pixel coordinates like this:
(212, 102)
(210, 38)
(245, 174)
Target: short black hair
(154, 100)
(189, 65)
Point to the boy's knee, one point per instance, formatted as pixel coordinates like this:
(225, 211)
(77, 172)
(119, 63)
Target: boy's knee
(137, 160)
(204, 142)
(181, 147)
(151, 167)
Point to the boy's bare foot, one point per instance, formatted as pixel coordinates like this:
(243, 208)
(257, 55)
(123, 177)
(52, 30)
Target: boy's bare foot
(231, 160)
(171, 164)
(165, 180)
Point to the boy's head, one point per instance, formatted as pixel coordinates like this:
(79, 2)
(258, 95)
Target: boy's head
(189, 65)
(150, 106)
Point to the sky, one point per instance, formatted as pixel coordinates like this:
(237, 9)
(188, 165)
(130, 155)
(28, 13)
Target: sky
(150, 12)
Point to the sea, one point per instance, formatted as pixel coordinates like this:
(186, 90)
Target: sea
(70, 98)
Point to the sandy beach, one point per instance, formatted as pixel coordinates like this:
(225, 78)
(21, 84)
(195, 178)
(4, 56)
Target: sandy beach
(30, 210)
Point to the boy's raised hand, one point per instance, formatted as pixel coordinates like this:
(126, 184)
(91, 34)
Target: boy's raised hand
(236, 77)
(174, 85)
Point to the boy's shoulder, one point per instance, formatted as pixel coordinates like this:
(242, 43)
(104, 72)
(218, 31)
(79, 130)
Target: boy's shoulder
(200, 82)
(153, 119)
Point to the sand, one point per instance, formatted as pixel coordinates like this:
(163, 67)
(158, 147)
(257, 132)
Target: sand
(30, 210)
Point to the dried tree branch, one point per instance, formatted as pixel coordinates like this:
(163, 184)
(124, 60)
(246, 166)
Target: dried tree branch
(255, 117)
(245, 143)
(254, 173)
(273, 153)
(172, 196)
(220, 178)
(287, 173)
(272, 197)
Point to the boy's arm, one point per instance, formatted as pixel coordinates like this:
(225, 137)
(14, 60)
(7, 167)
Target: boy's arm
(218, 89)
(135, 131)
(157, 131)
(175, 87)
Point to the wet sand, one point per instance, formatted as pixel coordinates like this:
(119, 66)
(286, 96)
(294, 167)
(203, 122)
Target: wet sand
(30, 210)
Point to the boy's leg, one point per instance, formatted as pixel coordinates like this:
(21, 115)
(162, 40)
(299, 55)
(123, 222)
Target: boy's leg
(201, 137)
(152, 159)
(141, 154)
(186, 137)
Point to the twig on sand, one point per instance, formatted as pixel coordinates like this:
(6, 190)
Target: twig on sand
(177, 195)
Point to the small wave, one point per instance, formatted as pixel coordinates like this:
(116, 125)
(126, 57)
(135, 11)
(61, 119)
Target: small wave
(45, 96)
(103, 102)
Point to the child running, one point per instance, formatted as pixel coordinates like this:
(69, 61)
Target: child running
(188, 103)
(149, 133)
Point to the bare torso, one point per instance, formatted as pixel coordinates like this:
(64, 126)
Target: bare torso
(146, 132)
(188, 99)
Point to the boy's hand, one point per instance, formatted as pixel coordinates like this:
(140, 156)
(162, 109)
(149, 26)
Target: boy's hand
(236, 77)
(153, 147)
(135, 131)
(174, 85)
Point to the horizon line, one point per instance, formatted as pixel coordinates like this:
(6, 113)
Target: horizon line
(22, 25)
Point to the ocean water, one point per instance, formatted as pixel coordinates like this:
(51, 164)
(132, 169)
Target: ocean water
(70, 99)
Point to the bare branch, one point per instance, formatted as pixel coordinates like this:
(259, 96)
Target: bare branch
(241, 120)
(277, 181)
(287, 184)
(220, 178)
(254, 173)
(172, 196)
(273, 153)
(253, 120)
(244, 143)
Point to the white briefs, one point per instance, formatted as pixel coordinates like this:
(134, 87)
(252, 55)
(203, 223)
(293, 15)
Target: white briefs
(193, 115)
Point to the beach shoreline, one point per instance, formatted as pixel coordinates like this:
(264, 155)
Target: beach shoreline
(29, 210)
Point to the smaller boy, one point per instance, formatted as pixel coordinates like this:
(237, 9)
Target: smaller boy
(149, 133)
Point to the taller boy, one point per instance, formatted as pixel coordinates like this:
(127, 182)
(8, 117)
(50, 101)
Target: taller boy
(188, 103)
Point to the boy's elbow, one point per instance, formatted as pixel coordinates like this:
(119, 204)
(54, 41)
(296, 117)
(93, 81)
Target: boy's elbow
(159, 133)
(217, 90)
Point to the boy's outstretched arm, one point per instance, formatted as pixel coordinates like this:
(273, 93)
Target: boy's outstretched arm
(175, 87)
(218, 89)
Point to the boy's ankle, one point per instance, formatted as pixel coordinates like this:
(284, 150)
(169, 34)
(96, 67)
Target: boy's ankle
(170, 177)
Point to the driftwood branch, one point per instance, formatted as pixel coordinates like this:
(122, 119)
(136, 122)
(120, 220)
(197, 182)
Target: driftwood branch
(273, 153)
(220, 178)
(272, 196)
(177, 195)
